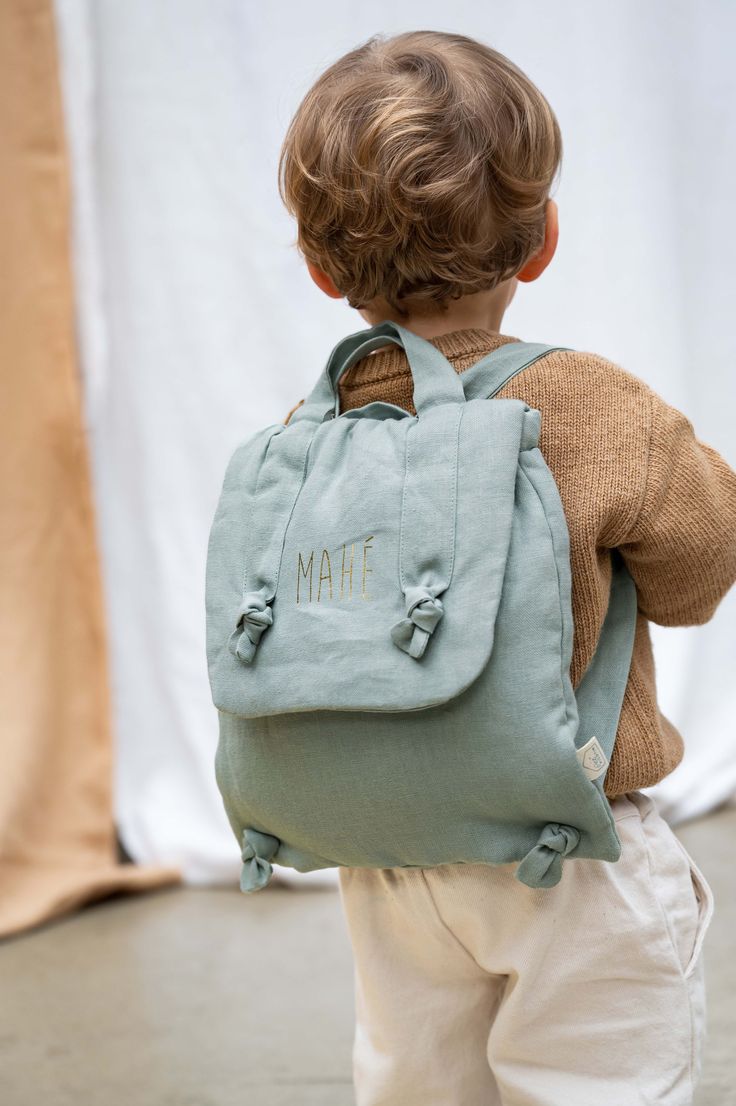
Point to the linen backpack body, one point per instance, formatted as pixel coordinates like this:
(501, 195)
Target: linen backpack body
(389, 634)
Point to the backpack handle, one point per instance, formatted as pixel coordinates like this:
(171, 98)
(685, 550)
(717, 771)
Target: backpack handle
(435, 379)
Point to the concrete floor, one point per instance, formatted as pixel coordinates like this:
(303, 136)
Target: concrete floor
(205, 998)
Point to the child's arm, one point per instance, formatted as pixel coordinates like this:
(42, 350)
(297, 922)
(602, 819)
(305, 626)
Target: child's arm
(681, 548)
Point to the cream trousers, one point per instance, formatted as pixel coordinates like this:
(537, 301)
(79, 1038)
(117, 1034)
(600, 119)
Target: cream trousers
(472, 989)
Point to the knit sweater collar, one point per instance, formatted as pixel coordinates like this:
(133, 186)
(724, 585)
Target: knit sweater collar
(472, 344)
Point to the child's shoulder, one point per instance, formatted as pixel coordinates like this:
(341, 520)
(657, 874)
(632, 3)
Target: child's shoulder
(580, 371)
(587, 390)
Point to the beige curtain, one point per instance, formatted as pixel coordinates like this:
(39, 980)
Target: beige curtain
(57, 837)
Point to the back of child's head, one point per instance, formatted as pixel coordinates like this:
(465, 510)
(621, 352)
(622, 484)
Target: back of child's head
(418, 168)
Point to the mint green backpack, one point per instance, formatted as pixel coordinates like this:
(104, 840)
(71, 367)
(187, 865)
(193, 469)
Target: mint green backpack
(389, 634)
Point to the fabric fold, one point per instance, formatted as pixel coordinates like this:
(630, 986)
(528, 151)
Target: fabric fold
(58, 846)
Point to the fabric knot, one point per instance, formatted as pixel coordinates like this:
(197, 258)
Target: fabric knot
(258, 850)
(424, 611)
(253, 619)
(542, 865)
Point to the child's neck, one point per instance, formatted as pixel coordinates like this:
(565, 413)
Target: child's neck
(479, 311)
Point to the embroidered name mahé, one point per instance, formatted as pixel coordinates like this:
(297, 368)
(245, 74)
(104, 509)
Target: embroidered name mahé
(328, 582)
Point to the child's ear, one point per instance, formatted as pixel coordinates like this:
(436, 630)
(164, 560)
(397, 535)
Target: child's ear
(536, 265)
(323, 282)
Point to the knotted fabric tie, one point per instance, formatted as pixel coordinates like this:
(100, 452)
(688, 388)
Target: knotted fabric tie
(258, 850)
(542, 865)
(253, 619)
(424, 611)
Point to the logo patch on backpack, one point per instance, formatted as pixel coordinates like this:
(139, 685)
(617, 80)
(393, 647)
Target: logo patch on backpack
(592, 759)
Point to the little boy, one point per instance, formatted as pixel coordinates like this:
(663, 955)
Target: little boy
(419, 170)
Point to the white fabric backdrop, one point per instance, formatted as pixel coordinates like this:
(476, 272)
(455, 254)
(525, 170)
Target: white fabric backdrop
(198, 322)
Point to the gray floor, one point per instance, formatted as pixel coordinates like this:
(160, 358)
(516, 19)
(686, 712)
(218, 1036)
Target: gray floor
(204, 998)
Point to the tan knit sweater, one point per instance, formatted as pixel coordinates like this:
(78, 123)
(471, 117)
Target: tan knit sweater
(632, 475)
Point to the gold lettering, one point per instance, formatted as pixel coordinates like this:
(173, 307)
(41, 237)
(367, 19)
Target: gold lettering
(366, 546)
(324, 575)
(349, 574)
(302, 571)
(305, 572)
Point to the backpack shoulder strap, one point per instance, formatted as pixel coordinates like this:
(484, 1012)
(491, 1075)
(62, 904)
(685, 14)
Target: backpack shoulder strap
(487, 376)
(600, 693)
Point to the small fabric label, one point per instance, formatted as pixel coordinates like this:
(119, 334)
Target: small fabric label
(592, 759)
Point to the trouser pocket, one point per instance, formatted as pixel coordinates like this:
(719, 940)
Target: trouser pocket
(682, 892)
(705, 904)
(685, 902)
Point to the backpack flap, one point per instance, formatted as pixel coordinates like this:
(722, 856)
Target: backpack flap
(350, 566)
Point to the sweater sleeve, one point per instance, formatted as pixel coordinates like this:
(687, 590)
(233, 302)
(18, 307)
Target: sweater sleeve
(681, 549)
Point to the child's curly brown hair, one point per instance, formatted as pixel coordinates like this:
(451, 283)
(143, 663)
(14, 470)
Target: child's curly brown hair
(418, 168)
